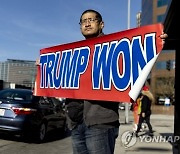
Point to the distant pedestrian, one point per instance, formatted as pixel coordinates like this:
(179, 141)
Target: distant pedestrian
(136, 109)
(145, 114)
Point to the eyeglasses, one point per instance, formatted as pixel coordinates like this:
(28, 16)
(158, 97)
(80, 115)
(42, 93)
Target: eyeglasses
(89, 20)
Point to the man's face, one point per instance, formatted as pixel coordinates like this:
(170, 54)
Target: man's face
(90, 26)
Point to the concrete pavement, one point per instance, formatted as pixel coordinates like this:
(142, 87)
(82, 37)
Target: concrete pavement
(163, 126)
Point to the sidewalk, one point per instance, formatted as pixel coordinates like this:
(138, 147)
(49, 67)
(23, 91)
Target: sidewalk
(163, 126)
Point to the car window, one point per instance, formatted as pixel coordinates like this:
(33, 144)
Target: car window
(58, 103)
(45, 101)
(55, 101)
(16, 95)
(5, 95)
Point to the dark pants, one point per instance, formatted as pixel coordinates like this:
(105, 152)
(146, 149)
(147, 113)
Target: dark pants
(91, 140)
(147, 120)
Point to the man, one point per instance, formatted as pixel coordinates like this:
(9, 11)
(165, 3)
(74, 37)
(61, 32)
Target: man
(95, 128)
(94, 124)
(136, 109)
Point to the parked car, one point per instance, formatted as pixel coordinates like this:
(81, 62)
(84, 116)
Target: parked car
(160, 101)
(23, 113)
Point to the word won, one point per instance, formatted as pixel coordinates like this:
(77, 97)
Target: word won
(106, 67)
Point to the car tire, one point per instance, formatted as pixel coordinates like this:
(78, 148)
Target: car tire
(42, 132)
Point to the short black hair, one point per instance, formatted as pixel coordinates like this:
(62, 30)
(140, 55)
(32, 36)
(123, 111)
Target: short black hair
(98, 15)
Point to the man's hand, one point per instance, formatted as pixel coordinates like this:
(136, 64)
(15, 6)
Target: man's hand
(163, 36)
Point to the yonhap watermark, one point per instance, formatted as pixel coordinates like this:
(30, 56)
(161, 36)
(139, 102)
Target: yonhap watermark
(129, 139)
(159, 139)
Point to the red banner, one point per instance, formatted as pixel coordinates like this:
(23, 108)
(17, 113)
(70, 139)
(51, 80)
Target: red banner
(112, 67)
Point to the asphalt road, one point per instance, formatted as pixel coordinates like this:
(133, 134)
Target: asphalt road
(56, 143)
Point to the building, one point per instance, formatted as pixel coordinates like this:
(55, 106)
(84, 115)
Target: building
(162, 76)
(154, 11)
(19, 72)
(171, 28)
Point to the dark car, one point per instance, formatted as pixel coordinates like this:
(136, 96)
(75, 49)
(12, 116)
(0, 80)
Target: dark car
(23, 113)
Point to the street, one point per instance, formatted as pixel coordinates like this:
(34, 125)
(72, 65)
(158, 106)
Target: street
(58, 143)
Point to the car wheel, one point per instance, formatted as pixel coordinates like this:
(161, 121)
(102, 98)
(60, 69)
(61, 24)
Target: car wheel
(42, 132)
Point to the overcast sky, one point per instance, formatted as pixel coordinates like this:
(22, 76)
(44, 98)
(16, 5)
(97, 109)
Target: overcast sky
(26, 26)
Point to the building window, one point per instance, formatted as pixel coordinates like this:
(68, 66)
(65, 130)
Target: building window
(161, 65)
(160, 18)
(161, 3)
(168, 51)
(173, 64)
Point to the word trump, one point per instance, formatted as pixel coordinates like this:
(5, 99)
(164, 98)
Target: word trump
(63, 70)
(116, 63)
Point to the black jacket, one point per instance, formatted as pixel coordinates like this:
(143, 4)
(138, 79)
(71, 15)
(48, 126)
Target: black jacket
(93, 113)
(146, 105)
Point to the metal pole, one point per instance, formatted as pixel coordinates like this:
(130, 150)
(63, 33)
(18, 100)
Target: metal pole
(128, 21)
(126, 112)
(127, 104)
